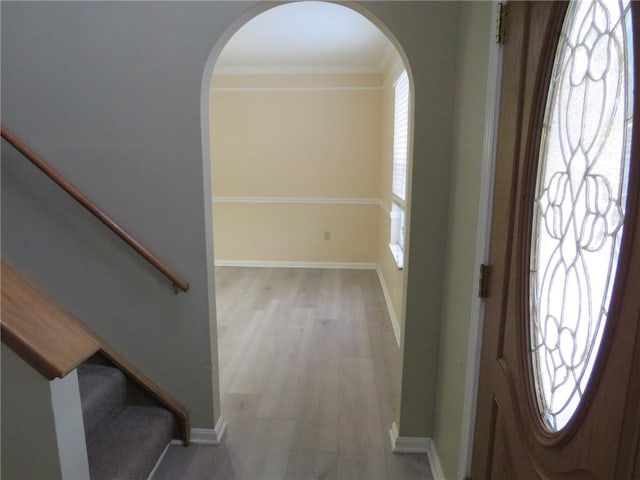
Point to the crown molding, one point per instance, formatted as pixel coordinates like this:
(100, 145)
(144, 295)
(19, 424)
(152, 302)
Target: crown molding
(297, 69)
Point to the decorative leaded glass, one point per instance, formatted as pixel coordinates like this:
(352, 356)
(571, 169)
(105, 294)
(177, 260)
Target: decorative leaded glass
(580, 198)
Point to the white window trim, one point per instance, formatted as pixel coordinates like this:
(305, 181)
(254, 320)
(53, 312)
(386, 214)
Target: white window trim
(397, 218)
(398, 255)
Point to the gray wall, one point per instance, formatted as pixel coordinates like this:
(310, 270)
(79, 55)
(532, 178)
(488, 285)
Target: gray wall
(468, 147)
(427, 33)
(29, 446)
(109, 93)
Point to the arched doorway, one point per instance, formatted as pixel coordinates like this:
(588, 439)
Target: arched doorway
(262, 192)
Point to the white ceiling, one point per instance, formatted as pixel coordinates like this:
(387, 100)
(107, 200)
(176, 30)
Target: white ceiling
(304, 37)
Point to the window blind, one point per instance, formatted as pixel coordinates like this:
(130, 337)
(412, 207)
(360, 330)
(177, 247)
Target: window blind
(400, 135)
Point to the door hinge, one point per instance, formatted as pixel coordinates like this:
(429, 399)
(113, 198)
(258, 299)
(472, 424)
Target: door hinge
(483, 282)
(500, 33)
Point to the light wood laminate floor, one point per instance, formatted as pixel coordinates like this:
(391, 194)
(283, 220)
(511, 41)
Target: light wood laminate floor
(306, 362)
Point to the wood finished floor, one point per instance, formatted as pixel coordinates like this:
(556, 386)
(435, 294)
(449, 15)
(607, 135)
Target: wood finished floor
(306, 357)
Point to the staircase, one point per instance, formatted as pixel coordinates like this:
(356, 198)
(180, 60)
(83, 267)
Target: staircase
(124, 441)
(128, 419)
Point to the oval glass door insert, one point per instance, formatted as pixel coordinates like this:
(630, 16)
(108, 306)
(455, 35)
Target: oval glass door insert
(580, 197)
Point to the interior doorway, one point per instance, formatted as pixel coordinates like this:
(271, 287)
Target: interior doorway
(301, 142)
(303, 130)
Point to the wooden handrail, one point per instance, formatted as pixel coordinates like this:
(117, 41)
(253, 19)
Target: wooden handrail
(177, 281)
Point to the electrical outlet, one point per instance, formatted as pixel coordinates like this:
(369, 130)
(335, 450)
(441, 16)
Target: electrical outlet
(327, 235)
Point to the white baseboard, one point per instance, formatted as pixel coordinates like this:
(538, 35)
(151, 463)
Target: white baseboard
(407, 444)
(279, 264)
(417, 445)
(161, 457)
(221, 429)
(434, 462)
(208, 436)
(387, 299)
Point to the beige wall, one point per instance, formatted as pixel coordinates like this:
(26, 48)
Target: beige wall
(295, 232)
(304, 138)
(284, 148)
(295, 141)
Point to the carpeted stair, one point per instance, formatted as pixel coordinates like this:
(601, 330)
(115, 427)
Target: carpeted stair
(124, 441)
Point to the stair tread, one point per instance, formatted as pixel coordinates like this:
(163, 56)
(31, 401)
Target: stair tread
(102, 394)
(128, 446)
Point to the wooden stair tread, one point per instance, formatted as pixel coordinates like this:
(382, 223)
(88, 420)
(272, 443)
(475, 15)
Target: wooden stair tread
(51, 340)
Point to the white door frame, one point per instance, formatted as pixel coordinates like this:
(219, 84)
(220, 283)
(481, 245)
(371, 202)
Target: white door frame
(474, 339)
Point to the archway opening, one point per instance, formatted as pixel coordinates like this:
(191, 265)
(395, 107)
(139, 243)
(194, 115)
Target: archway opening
(310, 155)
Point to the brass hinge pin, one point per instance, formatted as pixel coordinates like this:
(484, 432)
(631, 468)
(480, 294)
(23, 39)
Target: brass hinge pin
(483, 283)
(500, 32)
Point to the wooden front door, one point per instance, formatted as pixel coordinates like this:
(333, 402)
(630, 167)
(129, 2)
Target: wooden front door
(520, 433)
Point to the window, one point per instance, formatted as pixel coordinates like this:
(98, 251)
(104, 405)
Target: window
(399, 180)
(400, 134)
(580, 201)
